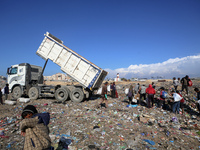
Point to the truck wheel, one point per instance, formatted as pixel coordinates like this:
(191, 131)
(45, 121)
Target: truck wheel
(77, 95)
(33, 93)
(17, 92)
(61, 94)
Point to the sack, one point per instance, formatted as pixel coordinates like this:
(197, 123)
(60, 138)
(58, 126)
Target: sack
(24, 100)
(137, 96)
(99, 91)
(126, 91)
(177, 97)
(108, 88)
(134, 100)
(116, 94)
(164, 94)
(190, 83)
(2, 90)
(10, 102)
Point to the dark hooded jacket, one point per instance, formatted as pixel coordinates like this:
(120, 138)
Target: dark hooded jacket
(37, 132)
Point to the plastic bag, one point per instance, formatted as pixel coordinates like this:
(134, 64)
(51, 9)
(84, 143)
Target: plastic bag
(108, 88)
(2, 90)
(9, 102)
(116, 94)
(190, 83)
(24, 100)
(106, 96)
(134, 100)
(99, 91)
(177, 97)
(126, 91)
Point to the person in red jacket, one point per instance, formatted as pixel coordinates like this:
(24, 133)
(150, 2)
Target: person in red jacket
(150, 94)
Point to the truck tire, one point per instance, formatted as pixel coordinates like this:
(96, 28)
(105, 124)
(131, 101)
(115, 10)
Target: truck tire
(61, 94)
(33, 93)
(77, 95)
(17, 92)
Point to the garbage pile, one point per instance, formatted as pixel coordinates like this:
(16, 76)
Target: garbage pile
(83, 126)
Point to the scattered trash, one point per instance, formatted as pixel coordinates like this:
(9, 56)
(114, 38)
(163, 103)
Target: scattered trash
(79, 126)
(149, 141)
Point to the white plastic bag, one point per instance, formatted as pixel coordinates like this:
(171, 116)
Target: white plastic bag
(134, 100)
(99, 91)
(198, 102)
(177, 97)
(126, 91)
(108, 88)
(24, 100)
(2, 90)
(9, 102)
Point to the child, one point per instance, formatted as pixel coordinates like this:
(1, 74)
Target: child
(181, 102)
(161, 102)
(34, 128)
(176, 104)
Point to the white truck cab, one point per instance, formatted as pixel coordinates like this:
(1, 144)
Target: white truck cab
(16, 76)
(21, 76)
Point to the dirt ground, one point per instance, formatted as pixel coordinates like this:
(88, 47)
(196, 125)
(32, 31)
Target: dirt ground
(117, 127)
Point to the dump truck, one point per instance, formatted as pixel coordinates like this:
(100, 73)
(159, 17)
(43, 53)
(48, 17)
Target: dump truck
(27, 79)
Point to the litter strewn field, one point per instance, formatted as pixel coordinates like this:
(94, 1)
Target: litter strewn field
(117, 127)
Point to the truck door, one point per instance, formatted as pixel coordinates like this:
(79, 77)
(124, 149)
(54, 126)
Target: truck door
(16, 76)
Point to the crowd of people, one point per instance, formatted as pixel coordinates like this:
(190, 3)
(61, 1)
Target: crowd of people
(171, 100)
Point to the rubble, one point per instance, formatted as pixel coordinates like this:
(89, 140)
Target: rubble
(83, 126)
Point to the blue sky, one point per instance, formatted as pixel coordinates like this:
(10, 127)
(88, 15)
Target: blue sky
(125, 36)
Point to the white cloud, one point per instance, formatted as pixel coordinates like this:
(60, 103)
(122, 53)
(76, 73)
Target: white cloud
(177, 67)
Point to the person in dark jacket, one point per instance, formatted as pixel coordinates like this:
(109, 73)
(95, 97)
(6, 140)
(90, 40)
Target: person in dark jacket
(185, 82)
(150, 93)
(130, 94)
(1, 100)
(198, 99)
(6, 91)
(113, 90)
(34, 127)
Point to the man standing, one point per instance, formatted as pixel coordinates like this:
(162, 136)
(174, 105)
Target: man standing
(104, 95)
(1, 100)
(184, 82)
(136, 89)
(175, 83)
(113, 90)
(142, 92)
(150, 91)
(6, 91)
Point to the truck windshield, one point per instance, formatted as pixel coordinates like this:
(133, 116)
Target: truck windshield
(13, 70)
